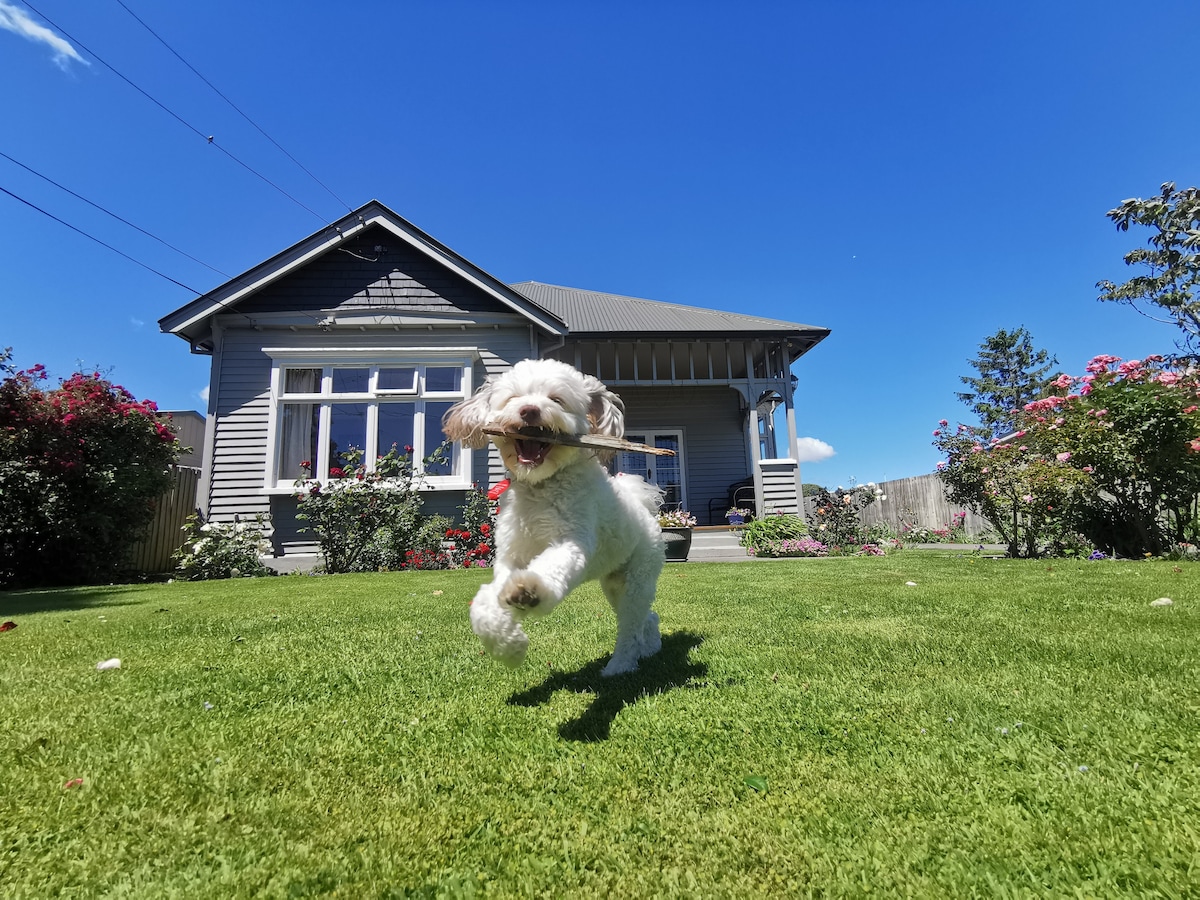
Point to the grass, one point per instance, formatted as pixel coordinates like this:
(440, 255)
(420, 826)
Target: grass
(1001, 727)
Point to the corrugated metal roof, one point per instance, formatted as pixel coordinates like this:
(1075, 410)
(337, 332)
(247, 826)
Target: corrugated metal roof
(595, 312)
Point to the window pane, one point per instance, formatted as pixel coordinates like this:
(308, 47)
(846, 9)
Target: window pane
(434, 439)
(396, 426)
(302, 381)
(299, 440)
(401, 379)
(347, 431)
(443, 379)
(350, 381)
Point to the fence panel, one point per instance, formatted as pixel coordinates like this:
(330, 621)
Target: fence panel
(921, 501)
(165, 535)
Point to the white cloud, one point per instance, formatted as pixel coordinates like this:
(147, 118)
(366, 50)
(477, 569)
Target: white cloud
(809, 449)
(136, 322)
(13, 18)
(204, 393)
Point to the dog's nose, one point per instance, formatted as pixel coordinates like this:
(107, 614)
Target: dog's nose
(530, 414)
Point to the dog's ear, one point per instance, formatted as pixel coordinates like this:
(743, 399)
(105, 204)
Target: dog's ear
(606, 411)
(464, 421)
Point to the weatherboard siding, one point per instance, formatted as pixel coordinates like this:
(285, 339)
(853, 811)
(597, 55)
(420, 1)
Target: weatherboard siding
(356, 276)
(243, 409)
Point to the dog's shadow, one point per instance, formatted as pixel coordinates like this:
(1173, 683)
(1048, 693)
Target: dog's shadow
(666, 670)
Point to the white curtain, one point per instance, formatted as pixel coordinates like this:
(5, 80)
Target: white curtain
(299, 424)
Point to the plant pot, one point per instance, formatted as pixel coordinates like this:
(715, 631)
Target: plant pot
(677, 543)
(736, 519)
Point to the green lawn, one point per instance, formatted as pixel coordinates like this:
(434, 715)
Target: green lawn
(811, 727)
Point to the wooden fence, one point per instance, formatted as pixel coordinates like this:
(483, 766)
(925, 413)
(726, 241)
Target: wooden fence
(165, 536)
(919, 501)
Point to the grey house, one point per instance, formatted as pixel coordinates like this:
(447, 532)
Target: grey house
(365, 333)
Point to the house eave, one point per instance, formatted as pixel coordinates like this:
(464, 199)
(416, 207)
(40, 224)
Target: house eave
(799, 342)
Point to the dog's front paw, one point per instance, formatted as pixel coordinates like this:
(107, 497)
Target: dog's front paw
(525, 592)
(500, 634)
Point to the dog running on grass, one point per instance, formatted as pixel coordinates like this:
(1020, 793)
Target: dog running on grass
(564, 520)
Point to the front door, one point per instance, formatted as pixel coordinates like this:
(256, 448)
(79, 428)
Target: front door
(664, 471)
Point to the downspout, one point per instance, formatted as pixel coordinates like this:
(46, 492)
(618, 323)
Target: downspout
(536, 346)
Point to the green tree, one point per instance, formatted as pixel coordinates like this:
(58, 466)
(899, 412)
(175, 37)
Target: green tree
(1011, 373)
(1172, 258)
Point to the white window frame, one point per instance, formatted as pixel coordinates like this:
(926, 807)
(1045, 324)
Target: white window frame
(648, 465)
(372, 359)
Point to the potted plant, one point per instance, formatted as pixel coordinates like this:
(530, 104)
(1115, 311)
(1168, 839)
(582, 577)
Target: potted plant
(676, 525)
(736, 515)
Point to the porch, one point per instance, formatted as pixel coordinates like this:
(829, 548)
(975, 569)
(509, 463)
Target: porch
(677, 378)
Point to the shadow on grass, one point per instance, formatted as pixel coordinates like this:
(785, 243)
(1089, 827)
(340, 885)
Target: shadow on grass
(668, 669)
(24, 602)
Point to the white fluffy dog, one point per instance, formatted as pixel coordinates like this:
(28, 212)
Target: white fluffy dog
(564, 520)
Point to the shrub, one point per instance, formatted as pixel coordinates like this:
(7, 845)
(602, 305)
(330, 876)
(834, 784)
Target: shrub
(222, 550)
(804, 546)
(1133, 428)
(836, 516)
(772, 528)
(372, 522)
(81, 466)
(452, 547)
(366, 520)
(475, 542)
(1113, 455)
(954, 532)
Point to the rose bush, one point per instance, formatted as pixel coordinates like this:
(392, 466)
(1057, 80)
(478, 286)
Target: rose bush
(1113, 455)
(81, 466)
(371, 521)
(835, 517)
(472, 544)
(367, 520)
(1029, 499)
(1133, 427)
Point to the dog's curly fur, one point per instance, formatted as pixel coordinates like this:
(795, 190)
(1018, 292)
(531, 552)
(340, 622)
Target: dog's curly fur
(564, 520)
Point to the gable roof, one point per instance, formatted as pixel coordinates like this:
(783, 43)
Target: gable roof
(556, 310)
(192, 322)
(594, 313)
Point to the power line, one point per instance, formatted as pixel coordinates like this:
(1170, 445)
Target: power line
(208, 138)
(112, 214)
(234, 106)
(98, 241)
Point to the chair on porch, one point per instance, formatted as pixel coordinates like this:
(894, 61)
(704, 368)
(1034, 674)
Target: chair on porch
(740, 495)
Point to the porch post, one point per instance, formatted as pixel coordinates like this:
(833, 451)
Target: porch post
(755, 458)
(789, 405)
(752, 393)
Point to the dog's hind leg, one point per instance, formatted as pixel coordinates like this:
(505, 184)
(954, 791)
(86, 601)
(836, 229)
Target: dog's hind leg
(630, 593)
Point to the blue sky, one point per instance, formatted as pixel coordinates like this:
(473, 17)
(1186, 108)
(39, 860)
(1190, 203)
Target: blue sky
(913, 176)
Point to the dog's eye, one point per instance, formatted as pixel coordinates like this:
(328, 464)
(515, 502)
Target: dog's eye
(558, 400)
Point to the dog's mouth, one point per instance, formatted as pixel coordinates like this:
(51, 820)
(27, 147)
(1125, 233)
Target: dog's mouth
(530, 450)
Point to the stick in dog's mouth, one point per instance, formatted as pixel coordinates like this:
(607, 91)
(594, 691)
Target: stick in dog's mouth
(593, 441)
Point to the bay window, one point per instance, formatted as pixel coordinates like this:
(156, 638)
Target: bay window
(329, 416)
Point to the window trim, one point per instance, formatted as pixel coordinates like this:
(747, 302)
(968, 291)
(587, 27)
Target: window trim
(372, 359)
(651, 464)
